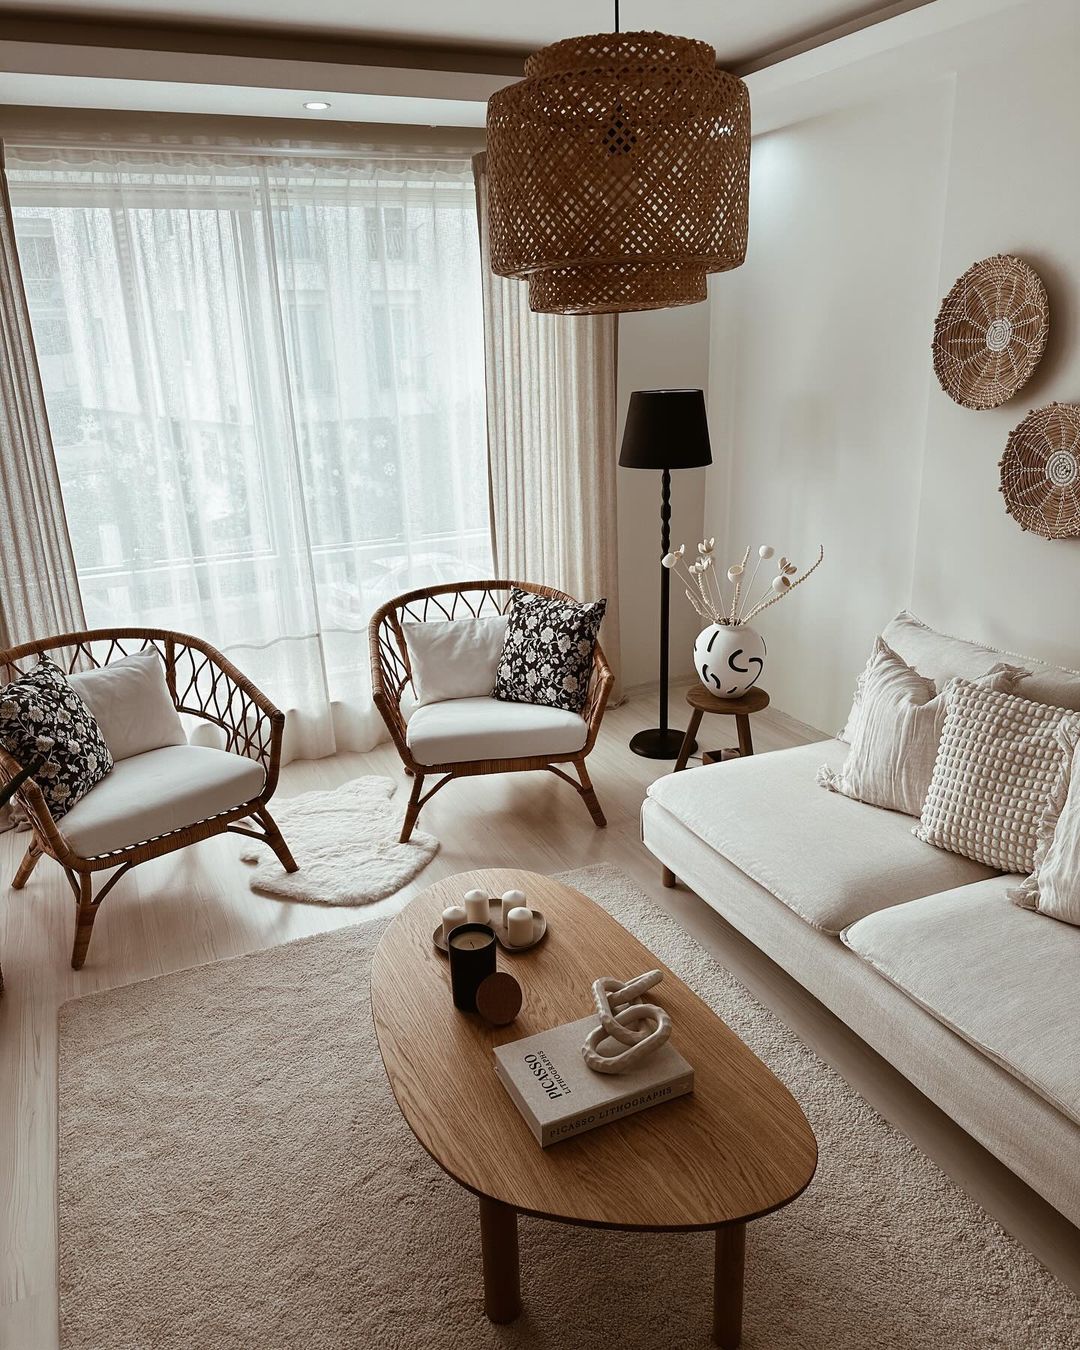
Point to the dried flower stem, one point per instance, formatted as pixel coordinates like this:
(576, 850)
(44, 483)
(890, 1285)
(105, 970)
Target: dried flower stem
(697, 605)
(753, 578)
(738, 587)
(797, 582)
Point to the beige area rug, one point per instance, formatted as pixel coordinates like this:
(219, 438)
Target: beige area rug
(234, 1173)
(345, 843)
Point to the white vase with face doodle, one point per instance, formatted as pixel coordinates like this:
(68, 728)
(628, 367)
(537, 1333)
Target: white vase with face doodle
(729, 658)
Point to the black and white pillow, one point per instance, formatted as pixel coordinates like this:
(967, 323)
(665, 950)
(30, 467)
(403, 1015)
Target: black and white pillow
(548, 653)
(42, 715)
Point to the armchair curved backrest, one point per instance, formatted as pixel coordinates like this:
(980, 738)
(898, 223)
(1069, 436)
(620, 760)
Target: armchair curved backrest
(390, 669)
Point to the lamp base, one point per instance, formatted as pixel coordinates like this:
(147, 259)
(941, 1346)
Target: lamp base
(657, 744)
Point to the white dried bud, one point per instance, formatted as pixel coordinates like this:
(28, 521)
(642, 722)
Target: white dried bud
(765, 551)
(780, 584)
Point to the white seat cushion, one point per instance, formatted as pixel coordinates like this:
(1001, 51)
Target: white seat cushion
(156, 792)
(1003, 978)
(487, 728)
(829, 859)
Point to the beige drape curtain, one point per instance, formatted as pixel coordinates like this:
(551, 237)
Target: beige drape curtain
(39, 589)
(551, 441)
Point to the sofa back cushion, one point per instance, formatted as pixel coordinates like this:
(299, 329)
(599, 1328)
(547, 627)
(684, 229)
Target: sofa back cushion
(131, 704)
(941, 658)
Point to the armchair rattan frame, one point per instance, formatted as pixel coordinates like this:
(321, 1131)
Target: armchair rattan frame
(391, 672)
(202, 683)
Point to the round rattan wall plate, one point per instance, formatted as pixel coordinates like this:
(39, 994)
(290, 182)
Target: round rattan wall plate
(990, 332)
(1040, 472)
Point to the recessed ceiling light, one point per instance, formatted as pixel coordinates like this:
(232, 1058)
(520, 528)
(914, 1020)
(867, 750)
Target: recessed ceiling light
(316, 105)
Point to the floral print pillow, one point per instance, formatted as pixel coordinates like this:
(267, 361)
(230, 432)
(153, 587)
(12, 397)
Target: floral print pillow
(548, 654)
(42, 715)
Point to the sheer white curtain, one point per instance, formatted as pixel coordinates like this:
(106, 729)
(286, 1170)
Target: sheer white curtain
(265, 380)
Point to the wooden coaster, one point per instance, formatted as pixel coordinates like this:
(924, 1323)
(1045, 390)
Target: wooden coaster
(498, 998)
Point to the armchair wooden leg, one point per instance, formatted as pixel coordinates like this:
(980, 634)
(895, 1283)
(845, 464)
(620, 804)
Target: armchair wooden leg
(276, 840)
(31, 858)
(85, 914)
(412, 811)
(589, 795)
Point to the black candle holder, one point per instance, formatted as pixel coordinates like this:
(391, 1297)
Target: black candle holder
(471, 961)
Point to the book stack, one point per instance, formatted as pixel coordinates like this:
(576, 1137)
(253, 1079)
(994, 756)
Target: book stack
(558, 1094)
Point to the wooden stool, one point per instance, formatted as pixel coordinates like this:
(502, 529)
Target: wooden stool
(701, 701)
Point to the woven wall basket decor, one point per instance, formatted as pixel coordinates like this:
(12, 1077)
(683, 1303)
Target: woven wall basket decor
(1040, 472)
(618, 173)
(990, 332)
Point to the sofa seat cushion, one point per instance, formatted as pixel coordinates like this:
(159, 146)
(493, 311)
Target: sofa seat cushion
(159, 791)
(1003, 978)
(487, 728)
(829, 859)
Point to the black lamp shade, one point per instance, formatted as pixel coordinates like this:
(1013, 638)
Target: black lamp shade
(666, 429)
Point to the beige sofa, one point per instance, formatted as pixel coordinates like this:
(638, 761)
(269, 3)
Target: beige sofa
(919, 951)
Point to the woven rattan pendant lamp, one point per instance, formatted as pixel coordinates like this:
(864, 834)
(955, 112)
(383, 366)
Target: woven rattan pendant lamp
(618, 173)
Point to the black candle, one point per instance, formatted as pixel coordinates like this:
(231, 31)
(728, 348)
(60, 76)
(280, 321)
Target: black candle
(471, 947)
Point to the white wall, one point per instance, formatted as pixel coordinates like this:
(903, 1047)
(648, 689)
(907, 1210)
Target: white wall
(821, 382)
(658, 349)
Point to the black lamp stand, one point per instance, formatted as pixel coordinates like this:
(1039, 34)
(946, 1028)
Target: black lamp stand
(662, 742)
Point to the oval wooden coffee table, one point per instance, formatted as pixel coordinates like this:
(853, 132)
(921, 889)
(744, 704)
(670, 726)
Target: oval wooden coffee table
(737, 1148)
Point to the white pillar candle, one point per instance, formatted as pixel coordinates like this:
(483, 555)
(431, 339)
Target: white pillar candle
(511, 900)
(519, 926)
(452, 917)
(476, 907)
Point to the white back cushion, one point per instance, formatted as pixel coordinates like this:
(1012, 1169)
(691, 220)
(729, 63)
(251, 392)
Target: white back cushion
(454, 658)
(941, 658)
(131, 704)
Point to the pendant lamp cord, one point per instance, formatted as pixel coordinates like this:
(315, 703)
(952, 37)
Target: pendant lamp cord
(616, 15)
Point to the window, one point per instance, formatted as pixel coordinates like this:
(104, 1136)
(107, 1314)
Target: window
(265, 384)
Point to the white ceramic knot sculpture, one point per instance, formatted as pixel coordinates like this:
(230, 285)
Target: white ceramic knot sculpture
(641, 1027)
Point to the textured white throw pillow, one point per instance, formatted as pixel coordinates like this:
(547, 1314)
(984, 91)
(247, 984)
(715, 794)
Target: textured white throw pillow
(131, 704)
(1054, 886)
(894, 729)
(1000, 762)
(454, 658)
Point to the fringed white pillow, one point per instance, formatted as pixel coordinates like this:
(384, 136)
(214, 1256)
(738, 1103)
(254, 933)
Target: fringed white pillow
(894, 728)
(1054, 886)
(999, 763)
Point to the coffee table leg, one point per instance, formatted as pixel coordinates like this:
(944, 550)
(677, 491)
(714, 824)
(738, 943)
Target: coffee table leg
(499, 1243)
(727, 1308)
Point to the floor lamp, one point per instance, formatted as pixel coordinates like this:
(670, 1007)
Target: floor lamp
(665, 429)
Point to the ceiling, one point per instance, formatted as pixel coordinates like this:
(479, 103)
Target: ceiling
(742, 31)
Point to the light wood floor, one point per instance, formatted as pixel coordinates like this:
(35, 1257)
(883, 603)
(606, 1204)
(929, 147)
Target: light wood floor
(196, 907)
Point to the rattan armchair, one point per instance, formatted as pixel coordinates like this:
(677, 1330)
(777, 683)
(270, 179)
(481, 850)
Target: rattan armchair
(390, 673)
(204, 684)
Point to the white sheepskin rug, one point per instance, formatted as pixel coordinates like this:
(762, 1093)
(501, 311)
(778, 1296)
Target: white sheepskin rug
(346, 844)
